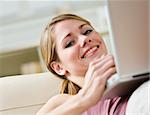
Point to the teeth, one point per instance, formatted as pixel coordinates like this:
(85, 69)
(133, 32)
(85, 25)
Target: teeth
(90, 51)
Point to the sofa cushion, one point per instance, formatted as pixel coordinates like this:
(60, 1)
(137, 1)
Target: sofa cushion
(139, 102)
(26, 91)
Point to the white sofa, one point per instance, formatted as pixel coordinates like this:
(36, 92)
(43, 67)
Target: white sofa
(139, 102)
(26, 94)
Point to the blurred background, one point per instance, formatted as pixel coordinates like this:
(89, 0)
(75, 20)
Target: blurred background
(22, 23)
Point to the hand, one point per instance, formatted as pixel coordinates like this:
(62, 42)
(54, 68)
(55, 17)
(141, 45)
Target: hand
(98, 73)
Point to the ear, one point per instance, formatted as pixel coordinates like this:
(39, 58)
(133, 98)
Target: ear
(58, 68)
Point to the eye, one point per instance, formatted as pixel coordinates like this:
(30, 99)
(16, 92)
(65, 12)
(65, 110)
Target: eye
(69, 44)
(87, 32)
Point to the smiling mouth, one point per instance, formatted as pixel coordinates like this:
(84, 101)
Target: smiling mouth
(90, 51)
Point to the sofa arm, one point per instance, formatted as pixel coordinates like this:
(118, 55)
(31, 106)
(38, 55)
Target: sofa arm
(24, 92)
(139, 102)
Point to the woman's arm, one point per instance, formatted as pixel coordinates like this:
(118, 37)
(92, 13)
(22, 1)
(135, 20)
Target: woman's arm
(73, 106)
(92, 91)
(63, 105)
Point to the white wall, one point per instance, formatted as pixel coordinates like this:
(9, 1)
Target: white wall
(149, 35)
(26, 34)
(20, 37)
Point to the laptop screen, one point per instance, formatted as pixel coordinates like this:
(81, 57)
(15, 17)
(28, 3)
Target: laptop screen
(128, 28)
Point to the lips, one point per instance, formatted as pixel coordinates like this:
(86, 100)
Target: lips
(89, 51)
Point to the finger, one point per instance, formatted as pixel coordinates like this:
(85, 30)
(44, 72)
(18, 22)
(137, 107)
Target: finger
(103, 79)
(98, 69)
(109, 72)
(104, 65)
(103, 59)
(110, 63)
(99, 63)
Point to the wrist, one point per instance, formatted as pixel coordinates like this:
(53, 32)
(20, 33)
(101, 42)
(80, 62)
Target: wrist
(83, 100)
(80, 103)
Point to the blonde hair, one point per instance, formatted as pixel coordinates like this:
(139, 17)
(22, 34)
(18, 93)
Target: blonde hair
(48, 50)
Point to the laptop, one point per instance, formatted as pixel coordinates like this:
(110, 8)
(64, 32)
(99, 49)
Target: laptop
(128, 30)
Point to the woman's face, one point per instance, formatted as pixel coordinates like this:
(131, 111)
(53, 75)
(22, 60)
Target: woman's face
(77, 44)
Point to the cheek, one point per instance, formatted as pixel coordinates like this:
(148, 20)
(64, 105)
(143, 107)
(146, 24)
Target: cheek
(72, 54)
(96, 36)
(69, 55)
(99, 39)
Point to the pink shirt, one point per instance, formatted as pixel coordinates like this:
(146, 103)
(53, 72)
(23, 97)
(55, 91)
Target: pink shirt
(115, 106)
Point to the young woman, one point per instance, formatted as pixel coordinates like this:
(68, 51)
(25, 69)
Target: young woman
(74, 51)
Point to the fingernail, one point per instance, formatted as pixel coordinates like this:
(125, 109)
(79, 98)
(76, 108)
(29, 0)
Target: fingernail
(102, 56)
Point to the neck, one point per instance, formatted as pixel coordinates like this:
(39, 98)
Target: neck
(79, 80)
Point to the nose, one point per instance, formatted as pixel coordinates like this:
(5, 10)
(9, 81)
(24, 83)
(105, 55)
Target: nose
(84, 40)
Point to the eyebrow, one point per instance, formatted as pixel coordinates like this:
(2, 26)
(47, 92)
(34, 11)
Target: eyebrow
(80, 27)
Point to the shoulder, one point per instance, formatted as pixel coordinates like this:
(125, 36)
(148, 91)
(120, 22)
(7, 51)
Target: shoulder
(59, 99)
(54, 102)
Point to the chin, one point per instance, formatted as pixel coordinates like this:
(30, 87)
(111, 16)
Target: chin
(95, 57)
